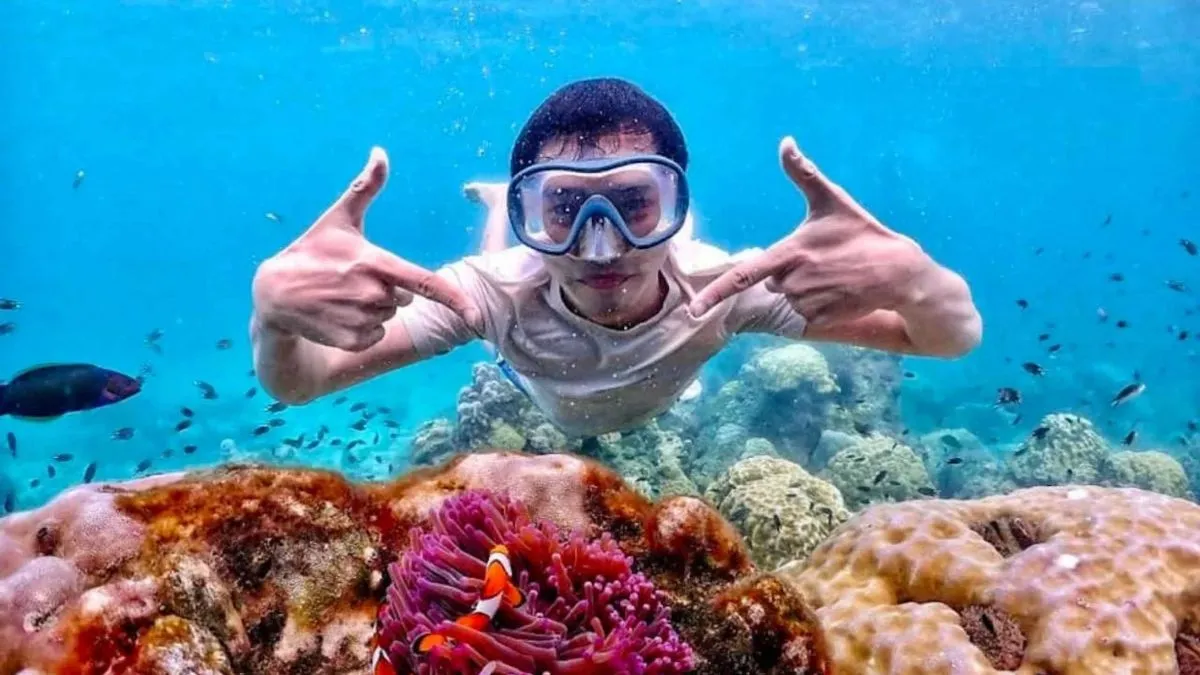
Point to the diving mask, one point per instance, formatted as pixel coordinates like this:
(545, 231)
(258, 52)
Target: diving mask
(595, 209)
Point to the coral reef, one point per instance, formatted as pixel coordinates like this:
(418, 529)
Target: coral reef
(1149, 470)
(648, 458)
(878, 469)
(252, 570)
(961, 466)
(1044, 580)
(1064, 449)
(784, 511)
(587, 610)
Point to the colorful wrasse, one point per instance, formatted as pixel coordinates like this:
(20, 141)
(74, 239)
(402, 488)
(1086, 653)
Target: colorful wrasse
(47, 392)
(498, 588)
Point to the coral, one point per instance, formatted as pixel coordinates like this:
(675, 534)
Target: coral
(758, 447)
(505, 437)
(269, 570)
(790, 367)
(647, 457)
(868, 382)
(1156, 471)
(878, 469)
(1065, 449)
(960, 465)
(783, 510)
(587, 611)
(433, 443)
(1055, 579)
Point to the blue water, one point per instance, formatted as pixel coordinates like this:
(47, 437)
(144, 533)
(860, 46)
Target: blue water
(986, 133)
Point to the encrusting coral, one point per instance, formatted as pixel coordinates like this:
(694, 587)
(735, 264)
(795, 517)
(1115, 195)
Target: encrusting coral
(1062, 580)
(254, 570)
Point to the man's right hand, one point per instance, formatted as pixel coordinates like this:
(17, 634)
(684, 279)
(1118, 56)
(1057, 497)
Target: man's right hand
(335, 288)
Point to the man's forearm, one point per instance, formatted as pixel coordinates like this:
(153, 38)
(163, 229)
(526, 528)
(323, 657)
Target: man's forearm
(941, 319)
(289, 367)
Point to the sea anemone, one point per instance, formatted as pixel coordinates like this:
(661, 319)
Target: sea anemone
(586, 611)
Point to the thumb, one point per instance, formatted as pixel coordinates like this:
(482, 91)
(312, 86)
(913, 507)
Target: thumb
(734, 281)
(349, 209)
(823, 195)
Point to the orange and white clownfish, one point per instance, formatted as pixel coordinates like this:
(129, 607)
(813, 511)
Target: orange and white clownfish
(381, 663)
(498, 588)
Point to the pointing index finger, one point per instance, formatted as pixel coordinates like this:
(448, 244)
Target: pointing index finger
(733, 281)
(428, 284)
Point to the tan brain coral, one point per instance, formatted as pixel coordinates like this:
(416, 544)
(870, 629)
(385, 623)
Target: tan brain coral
(1057, 580)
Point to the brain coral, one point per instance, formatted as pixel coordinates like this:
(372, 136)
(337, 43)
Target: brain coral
(878, 468)
(1069, 581)
(785, 368)
(782, 510)
(1064, 449)
(1150, 470)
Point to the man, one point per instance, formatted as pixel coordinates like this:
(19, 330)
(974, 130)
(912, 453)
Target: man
(606, 311)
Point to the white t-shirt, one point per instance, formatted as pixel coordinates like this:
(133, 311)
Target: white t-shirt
(589, 379)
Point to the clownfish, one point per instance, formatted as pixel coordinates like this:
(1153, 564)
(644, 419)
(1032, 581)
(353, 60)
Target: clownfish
(381, 663)
(498, 588)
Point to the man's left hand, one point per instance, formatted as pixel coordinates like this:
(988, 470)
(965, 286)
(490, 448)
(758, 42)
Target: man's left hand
(840, 264)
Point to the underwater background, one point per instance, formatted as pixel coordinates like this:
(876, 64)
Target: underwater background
(152, 154)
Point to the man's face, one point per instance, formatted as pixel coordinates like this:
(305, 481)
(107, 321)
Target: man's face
(625, 282)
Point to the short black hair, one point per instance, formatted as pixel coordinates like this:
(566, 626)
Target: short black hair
(593, 108)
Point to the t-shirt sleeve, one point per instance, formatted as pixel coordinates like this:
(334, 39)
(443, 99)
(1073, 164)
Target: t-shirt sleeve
(757, 310)
(436, 329)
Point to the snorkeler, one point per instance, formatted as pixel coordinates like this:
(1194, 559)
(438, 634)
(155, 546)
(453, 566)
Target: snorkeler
(607, 309)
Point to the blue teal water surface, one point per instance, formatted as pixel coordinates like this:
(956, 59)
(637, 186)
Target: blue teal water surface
(1002, 137)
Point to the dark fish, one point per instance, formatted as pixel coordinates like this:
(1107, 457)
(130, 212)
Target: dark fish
(861, 427)
(224, 343)
(207, 391)
(276, 422)
(1128, 392)
(1189, 246)
(358, 406)
(864, 488)
(778, 522)
(354, 444)
(1183, 335)
(143, 465)
(123, 434)
(1192, 425)
(46, 392)
(35, 482)
(339, 400)
(1020, 451)
(1177, 286)
(879, 477)
(1108, 219)
(1040, 432)
(391, 424)
(335, 442)
(950, 441)
(50, 472)
(1022, 303)
(909, 375)
(1129, 438)
(1122, 324)
(12, 443)
(1116, 276)
(294, 442)
(9, 304)
(78, 180)
(10, 502)
(1039, 250)
(261, 429)
(1016, 419)
(312, 444)
(1053, 349)
(168, 453)
(189, 449)
(7, 327)
(954, 460)
(1043, 337)
(278, 406)
(89, 473)
(186, 411)
(1007, 395)
(383, 410)
(927, 491)
(250, 373)
(1033, 368)
(251, 392)
(359, 425)
(183, 424)
(63, 457)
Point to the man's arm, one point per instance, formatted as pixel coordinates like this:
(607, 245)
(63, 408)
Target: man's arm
(941, 320)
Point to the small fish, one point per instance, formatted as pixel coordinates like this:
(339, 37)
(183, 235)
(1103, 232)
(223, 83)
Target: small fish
(294, 442)
(358, 406)
(154, 336)
(1053, 349)
(251, 392)
(1177, 286)
(79, 176)
(189, 449)
(10, 501)
(50, 472)
(9, 304)
(1129, 438)
(276, 422)
(1043, 337)
(1128, 393)
(250, 373)
(35, 482)
(359, 425)
(1033, 368)
(778, 521)
(910, 375)
(1102, 314)
(224, 343)
(1016, 419)
(383, 410)
(7, 327)
(340, 400)
(143, 465)
(273, 217)
(312, 444)
(183, 424)
(63, 457)
(1007, 396)
(261, 429)
(89, 472)
(1022, 303)
(1039, 250)
(954, 460)
(879, 477)
(391, 424)
(277, 407)
(1040, 432)
(1189, 246)
(950, 441)
(354, 444)
(1183, 335)
(1122, 324)
(12, 443)
(207, 391)
(1108, 219)
(1020, 451)
(186, 411)
(48, 392)
(144, 373)
(123, 434)
(335, 442)
(927, 491)
(1116, 276)
(1192, 425)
